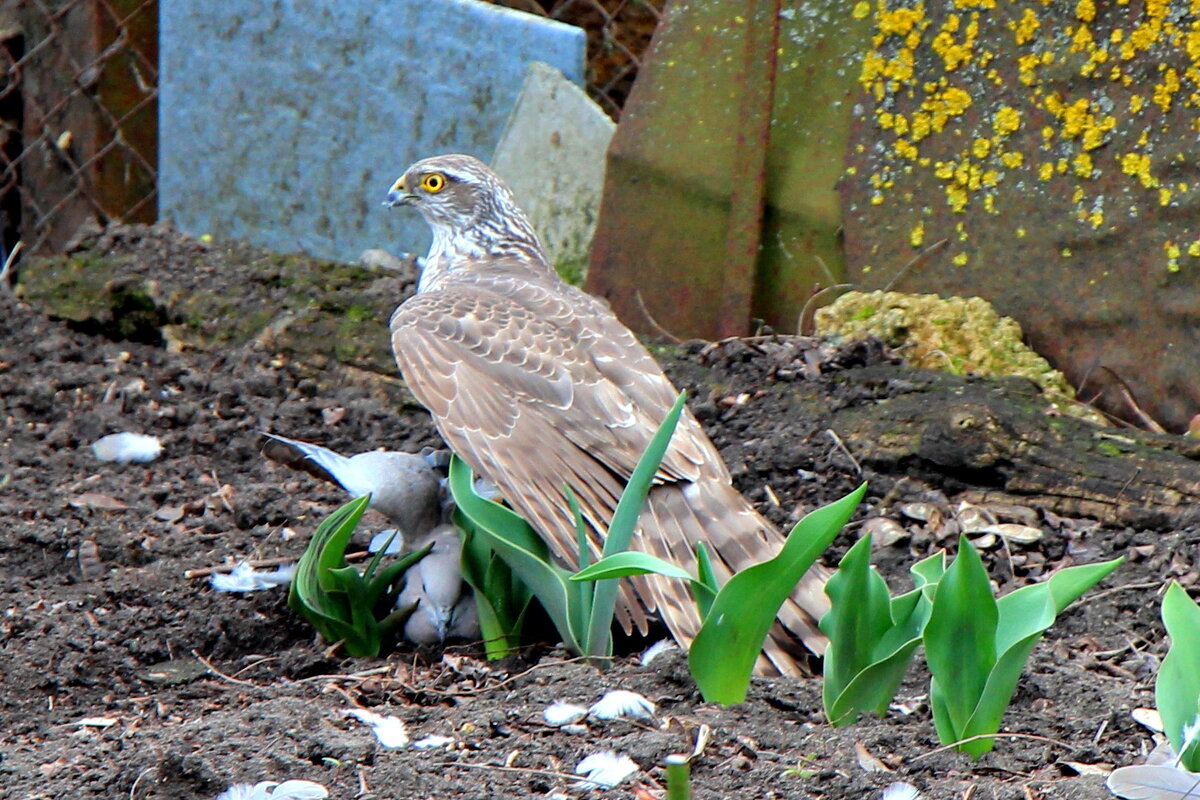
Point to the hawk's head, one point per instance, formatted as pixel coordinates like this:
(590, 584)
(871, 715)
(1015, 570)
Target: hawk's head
(471, 211)
(453, 191)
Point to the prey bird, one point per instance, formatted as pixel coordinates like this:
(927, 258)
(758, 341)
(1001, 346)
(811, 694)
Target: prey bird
(537, 384)
(404, 487)
(442, 604)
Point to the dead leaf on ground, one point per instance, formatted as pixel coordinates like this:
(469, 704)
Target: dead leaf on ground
(867, 761)
(103, 502)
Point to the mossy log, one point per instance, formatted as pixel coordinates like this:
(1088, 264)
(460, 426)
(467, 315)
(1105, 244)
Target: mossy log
(981, 439)
(994, 439)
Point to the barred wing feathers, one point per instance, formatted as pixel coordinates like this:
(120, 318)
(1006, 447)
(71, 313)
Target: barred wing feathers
(536, 385)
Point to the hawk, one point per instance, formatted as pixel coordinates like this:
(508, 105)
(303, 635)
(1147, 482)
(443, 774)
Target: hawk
(537, 384)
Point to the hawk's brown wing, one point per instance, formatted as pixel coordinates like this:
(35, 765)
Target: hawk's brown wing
(536, 386)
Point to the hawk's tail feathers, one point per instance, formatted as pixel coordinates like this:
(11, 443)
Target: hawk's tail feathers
(737, 537)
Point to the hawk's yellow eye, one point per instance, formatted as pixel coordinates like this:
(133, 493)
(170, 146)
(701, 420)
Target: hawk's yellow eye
(434, 182)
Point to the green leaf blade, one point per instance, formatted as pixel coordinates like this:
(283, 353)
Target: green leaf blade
(1177, 688)
(515, 541)
(627, 564)
(728, 643)
(859, 616)
(960, 638)
(621, 528)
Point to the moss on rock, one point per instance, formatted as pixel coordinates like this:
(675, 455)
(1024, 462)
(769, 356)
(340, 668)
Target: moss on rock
(956, 334)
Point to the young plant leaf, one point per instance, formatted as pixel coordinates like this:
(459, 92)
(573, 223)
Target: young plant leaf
(582, 612)
(306, 596)
(723, 653)
(587, 592)
(333, 596)
(623, 524)
(859, 615)
(631, 562)
(524, 551)
(501, 600)
(1021, 618)
(627, 564)
(872, 637)
(705, 588)
(1177, 688)
(960, 641)
(390, 575)
(369, 572)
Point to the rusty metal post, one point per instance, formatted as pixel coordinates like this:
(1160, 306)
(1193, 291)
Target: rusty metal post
(748, 195)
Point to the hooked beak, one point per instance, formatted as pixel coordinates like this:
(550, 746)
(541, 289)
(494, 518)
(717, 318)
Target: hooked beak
(399, 195)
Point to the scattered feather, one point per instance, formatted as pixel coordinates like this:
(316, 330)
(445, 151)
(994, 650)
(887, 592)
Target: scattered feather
(605, 769)
(433, 741)
(900, 791)
(273, 790)
(126, 447)
(97, 722)
(380, 539)
(868, 761)
(563, 713)
(576, 729)
(622, 703)
(1162, 753)
(244, 578)
(1081, 768)
(1145, 782)
(298, 790)
(390, 731)
(1149, 718)
(908, 706)
(1191, 732)
(657, 649)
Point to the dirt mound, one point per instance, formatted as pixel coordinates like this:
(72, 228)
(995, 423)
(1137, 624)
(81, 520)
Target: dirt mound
(123, 678)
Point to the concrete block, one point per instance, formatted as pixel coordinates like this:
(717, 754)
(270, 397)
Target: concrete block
(283, 124)
(552, 154)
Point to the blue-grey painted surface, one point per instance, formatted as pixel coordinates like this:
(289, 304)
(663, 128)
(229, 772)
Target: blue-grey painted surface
(283, 123)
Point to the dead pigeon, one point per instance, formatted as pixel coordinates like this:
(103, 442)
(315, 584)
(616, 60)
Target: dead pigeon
(443, 605)
(404, 487)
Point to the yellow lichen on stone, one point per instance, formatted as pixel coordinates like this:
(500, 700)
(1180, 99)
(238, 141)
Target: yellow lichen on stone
(953, 93)
(958, 334)
(917, 236)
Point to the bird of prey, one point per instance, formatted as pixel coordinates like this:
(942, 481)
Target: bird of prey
(536, 384)
(443, 605)
(404, 487)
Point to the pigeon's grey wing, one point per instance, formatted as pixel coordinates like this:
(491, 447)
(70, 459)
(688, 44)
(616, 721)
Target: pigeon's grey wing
(320, 462)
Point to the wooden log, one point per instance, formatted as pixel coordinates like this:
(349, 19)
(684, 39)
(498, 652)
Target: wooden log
(976, 439)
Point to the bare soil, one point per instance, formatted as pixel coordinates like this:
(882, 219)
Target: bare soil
(126, 679)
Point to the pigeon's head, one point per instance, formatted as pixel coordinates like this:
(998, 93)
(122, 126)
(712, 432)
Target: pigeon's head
(472, 214)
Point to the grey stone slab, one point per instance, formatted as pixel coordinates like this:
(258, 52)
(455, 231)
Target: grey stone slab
(284, 123)
(552, 155)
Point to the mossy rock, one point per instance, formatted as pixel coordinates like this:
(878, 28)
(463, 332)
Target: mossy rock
(960, 335)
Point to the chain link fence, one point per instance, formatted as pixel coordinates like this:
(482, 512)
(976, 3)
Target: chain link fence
(79, 105)
(78, 116)
(618, 33)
